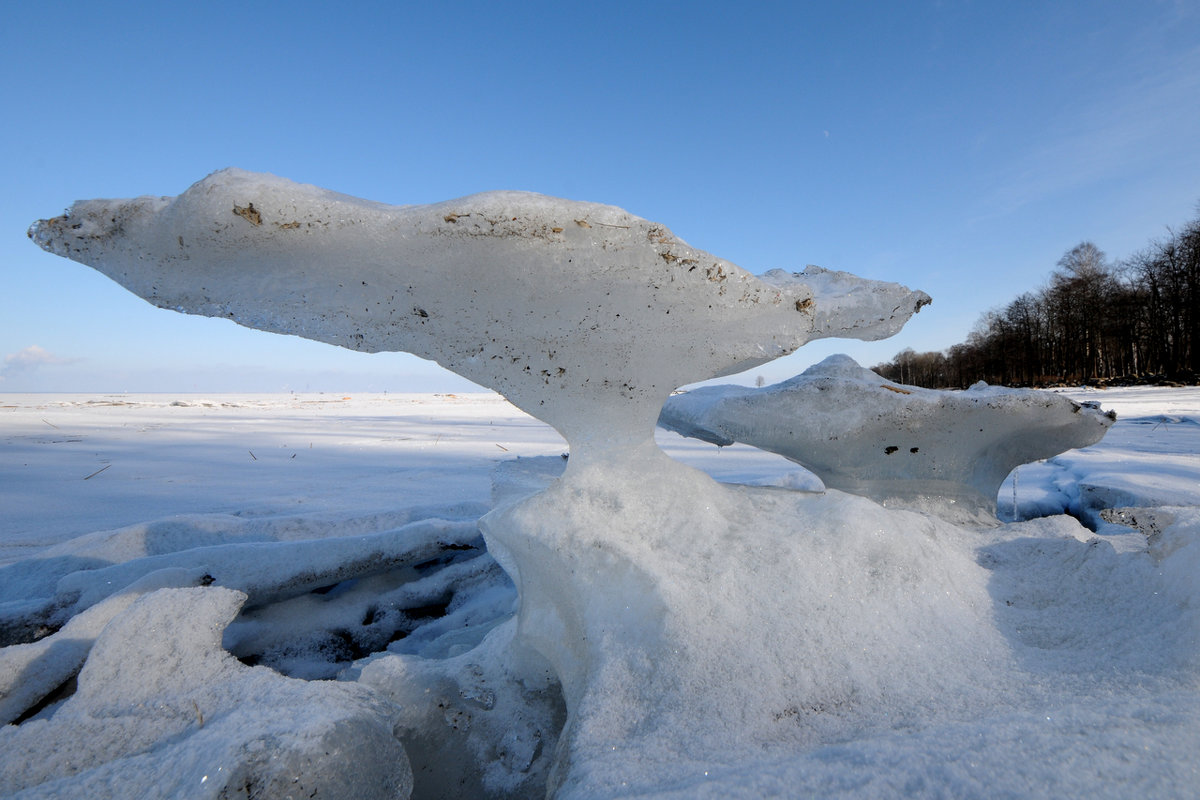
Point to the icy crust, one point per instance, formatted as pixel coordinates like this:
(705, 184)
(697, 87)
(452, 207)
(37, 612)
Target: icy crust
(942, 452)
(268, 571)
(582, 314)
(160, 704)
(695, 625)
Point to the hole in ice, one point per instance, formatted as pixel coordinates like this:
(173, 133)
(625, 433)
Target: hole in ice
(64, 690)
(429, 609)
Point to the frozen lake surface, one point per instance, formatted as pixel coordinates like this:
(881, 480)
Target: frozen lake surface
(258, 454)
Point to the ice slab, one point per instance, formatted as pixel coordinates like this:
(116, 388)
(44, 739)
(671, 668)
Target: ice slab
(31, 672)
(940, 451)
(582, 314)
(268, 571)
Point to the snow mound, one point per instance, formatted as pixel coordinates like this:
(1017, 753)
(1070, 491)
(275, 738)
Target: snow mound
(756, 620)
(160, 704)
(564, 307)
(943, 452)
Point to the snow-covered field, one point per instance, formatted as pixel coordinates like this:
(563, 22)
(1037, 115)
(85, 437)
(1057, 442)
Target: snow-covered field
(346, 526)
(251, 454)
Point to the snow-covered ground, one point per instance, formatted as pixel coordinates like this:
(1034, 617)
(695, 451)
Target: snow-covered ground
(1150, 457)
(251, 454)
(341, 526)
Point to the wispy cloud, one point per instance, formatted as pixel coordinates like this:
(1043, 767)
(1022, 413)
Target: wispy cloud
(28, 360)
(1119, 132)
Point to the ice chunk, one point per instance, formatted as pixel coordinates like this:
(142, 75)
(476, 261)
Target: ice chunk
(584, 315)
(160, 704)
(31, 672)
(939, 451)
(481, 724)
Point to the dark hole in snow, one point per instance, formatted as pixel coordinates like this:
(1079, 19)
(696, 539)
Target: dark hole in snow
(451, 553)
(26, 630)
(344, 647)
(334, 589)
(62, 692)
(913, 449)
(431, 611)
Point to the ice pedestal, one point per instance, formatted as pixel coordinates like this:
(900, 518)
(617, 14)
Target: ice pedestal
(690, 623)
(695, 624)
(938, 451)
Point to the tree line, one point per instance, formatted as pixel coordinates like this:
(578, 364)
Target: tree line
(1095, 321)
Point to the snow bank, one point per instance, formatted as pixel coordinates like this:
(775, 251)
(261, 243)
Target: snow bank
(944, 452)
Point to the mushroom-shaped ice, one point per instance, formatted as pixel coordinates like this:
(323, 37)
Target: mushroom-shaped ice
(942, 451)
(582, 314)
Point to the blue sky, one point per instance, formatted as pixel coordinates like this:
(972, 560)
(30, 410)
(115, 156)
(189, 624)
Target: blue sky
(957, 147)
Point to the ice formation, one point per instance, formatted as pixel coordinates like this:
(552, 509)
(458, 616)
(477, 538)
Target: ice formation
(672, 636)
(584, 315)
(945, 452)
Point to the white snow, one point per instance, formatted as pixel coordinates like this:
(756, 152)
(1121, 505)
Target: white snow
(839, 649)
